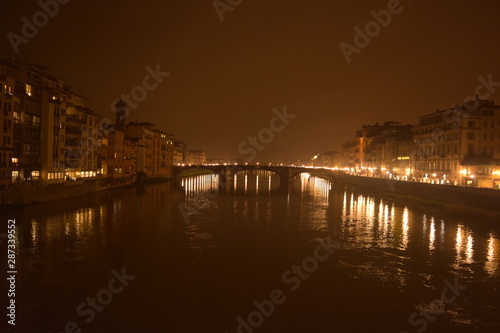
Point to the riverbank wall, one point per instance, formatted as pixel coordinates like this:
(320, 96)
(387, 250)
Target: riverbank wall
(452, 196)
(28, 193)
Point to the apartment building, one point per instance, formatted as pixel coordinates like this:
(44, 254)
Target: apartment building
(379, 151)
(48, 130)
(7, 160)
(460, 146)
(353, 154)
(327, 159)
(27, 113)
(163, 150)
(179, 153)
(121, 158)
(196, 157)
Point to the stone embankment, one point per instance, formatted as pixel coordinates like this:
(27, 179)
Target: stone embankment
(35, 192)
(457, 196)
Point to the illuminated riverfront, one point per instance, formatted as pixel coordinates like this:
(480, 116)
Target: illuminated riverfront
(235, 248)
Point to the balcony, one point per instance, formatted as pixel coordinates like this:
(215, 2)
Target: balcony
(73, 130)
(72, 143)
(32, 124)
(75, 118)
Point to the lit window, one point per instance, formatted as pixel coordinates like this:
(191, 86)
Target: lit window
(17, 117)
(29, 89)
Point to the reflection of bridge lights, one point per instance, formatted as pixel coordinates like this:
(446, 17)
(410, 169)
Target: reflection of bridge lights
(406, 227)
(470, 249)
(432, 234)
(458, 240)
(491, 264)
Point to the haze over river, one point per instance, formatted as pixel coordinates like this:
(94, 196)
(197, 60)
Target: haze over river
(389, 266)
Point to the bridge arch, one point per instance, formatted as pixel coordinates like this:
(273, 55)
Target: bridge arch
(227, 172)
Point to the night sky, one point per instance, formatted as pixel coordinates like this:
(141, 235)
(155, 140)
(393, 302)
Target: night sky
(227, 77)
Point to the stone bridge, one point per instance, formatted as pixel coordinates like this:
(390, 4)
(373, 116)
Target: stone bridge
(226, 173)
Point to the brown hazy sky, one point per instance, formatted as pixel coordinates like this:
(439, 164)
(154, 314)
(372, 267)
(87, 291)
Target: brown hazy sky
(226, 77)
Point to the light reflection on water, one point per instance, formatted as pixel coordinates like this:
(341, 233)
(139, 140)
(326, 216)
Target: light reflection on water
(365, 221)
(390, 243)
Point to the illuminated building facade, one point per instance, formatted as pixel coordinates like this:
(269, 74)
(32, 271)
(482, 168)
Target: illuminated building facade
(327, 159)
(196, 157)
(7, 160)
(460, 146)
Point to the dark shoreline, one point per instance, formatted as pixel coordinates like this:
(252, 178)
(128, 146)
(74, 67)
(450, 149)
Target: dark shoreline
(68, 191)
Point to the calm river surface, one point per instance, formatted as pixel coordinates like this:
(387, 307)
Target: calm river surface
(195, 261)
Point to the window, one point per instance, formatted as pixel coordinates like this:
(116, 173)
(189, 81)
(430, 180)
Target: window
(471, 135)
(27, 148)
(470, 148)
(29, 89)
(17, 117)
(492, 136)
(485, 136)
(36, 121)
(470, 124)
(7, 91)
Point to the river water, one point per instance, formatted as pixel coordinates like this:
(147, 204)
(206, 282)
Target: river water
(158, 259)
